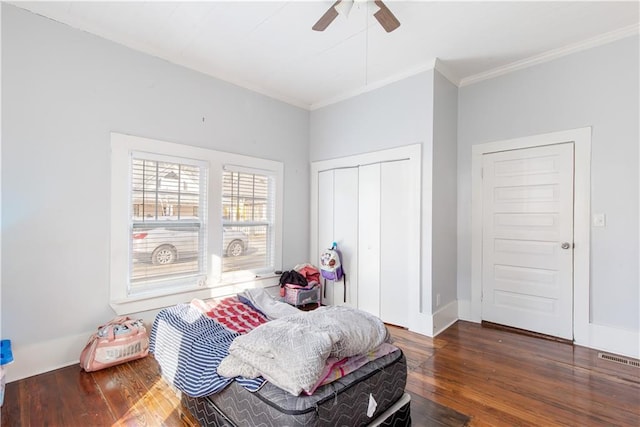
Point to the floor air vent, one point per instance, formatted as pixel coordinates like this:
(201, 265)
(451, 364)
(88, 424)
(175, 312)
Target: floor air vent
(619, 359)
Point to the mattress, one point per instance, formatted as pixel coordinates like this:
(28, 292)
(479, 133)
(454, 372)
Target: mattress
(372, 395)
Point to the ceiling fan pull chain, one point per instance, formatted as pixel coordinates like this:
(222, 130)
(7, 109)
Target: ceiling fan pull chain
(366, 48)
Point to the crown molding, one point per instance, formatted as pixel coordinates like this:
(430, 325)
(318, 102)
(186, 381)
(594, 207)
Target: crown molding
(447, 72)
(553, 54)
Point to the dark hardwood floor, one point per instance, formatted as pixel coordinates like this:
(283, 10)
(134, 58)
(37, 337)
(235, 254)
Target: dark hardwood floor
(503, 378)
(467, 375)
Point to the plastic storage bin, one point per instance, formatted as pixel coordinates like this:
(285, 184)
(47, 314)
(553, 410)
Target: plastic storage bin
(302, 296)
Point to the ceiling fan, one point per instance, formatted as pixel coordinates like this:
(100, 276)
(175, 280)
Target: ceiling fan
(342, 7)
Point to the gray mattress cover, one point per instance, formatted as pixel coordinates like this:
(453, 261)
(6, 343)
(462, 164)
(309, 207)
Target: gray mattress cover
(342, 402)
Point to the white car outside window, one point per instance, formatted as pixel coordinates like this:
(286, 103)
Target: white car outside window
(167, 245)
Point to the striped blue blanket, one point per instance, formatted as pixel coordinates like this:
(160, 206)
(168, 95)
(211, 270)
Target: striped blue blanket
(189, 346)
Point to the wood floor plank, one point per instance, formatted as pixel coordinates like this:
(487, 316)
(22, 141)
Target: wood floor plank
(44, 411)
(10, 411)
(425, 413)
(130, 395)
(164, 400)
(85, 408)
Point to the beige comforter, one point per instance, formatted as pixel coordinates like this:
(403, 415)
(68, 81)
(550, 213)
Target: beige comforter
(291, 352)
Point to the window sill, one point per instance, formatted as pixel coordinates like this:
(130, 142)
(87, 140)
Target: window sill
(146, 302)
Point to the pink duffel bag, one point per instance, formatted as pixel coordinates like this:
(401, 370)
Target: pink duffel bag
(121, 340)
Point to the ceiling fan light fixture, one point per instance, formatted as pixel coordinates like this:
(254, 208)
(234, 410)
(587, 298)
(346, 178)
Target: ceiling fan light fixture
(344, 7)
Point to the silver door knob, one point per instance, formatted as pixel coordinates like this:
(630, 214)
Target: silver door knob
(565, 245)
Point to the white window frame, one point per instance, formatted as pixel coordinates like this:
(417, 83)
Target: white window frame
(189, 278)
(215, 284)
(231, 275)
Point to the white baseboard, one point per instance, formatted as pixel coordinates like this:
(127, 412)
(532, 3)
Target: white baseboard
(431, 325)
(612, 340)
(598, 337)
(464, 311)
(422, 324)
(445, 317)
(38, 358)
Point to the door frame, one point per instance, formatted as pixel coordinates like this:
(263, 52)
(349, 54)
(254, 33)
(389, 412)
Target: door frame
(581, 138)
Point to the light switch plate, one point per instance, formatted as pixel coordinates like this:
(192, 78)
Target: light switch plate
(599, 220)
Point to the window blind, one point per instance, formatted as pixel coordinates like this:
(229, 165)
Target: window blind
(248, 212)
(168, 220)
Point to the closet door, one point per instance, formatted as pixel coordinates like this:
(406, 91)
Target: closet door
(345, 234)
(338, 222)
(369, 239)
(325, 224)
(370, 205)
(395, 241)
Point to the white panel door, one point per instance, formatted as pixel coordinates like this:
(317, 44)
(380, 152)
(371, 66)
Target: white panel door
(527, 267)
(369, 239)
(325, 223)
(345, 234)
(395, 241)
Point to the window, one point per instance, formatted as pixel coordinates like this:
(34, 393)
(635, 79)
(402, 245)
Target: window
(247, 220)
(168, 221)
(188, 222)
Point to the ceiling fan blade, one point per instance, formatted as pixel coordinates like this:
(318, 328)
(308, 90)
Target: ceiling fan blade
(327, 18)
(384, 16)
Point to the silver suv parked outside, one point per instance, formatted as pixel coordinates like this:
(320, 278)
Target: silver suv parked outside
(163, 246)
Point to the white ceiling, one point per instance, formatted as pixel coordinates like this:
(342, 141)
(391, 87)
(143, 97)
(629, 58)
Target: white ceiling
(269, 47)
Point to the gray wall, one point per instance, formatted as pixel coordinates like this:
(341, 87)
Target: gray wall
(392, 116)
(395, 115)
(63, 92)
(599, 88)
(444, 201)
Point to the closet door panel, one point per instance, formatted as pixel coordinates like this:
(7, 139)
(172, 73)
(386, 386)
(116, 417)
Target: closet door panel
(345, 232)
(369, 239)
(325, 224)
(394, 242)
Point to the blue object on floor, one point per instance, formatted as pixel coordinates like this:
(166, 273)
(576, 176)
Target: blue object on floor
(6, 356)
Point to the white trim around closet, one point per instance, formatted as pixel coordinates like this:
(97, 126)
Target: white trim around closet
(418, 321)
